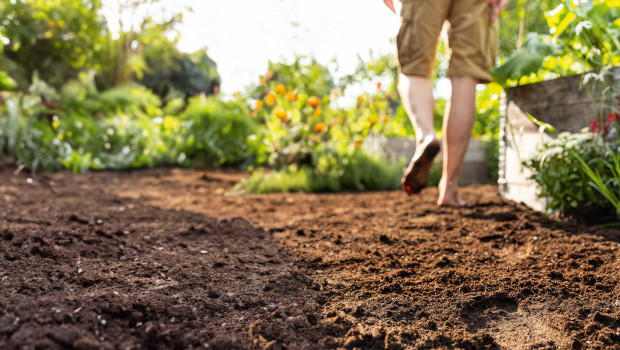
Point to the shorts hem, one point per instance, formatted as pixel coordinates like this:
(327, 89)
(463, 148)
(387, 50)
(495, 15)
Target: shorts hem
(483, 77)
(416, 70)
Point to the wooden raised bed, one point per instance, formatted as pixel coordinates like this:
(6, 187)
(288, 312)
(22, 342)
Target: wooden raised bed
(563, 103)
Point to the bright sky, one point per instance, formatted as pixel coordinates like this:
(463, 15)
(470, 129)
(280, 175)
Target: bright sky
(243, 35)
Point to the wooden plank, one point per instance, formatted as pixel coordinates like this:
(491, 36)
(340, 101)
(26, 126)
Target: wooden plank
(563, 103)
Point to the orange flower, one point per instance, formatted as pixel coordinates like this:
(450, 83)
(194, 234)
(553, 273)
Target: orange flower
(313, 102)
(331, 123)
(358, 143)
(270, 99)
(319, 127)
(360, 100)
(291, 96)
(262, 80)
(317, 112)
(282, 115)
(254, 114)
(269, 75)
(373, 120)
(259, 105)
(280, 89)
(340, 121)
(384, 118)
(216, 89)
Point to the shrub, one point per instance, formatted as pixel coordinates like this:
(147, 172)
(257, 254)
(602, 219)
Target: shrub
(579, 169)
(123, 128)
(215, 132)
(29, 140)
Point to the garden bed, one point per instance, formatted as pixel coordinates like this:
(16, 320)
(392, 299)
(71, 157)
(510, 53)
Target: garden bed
(165, 259)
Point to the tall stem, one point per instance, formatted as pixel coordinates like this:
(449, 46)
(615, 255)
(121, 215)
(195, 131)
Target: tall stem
(522, 25)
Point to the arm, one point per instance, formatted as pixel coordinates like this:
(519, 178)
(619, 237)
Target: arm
(497, 6)
(390, 5)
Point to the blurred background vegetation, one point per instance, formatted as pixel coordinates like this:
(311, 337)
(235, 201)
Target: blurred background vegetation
(75, 95)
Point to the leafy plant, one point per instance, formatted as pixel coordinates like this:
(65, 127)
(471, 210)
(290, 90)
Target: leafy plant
(31, 141)
(55, 38)
(558, 172)
(608, 187)
(582, 36)
(578, 169)
(215, 132)
(6, 82)
(608, 181)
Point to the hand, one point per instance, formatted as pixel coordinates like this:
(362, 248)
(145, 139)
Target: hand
(497, 6)
(390, 5)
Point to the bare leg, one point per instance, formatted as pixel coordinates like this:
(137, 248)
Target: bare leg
(457, 126)
(417, 96)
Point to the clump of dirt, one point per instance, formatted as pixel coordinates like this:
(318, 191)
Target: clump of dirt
(166, 259)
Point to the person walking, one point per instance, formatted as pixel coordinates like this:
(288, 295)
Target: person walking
(473, 42)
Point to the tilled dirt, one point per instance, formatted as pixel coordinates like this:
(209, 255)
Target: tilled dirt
(163, 259)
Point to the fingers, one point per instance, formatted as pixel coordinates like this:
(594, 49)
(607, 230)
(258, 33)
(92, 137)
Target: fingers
(496, 9)
(495, 14)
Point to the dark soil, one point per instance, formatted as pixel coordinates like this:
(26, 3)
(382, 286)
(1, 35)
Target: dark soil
(165, 259)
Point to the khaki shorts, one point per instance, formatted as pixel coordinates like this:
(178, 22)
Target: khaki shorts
(473, 40)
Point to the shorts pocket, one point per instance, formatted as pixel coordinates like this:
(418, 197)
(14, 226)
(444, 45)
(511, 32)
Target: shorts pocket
(405, 33)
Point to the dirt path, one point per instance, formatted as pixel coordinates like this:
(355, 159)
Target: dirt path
(164, 259)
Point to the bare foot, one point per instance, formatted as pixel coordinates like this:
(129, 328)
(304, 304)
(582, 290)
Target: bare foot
(449, 195)
(416, 175)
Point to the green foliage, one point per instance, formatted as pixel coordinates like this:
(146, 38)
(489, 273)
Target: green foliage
(6, 82)
(526, 13)
(29, 140)
(527, 61)
(311, 142)
(303, 74)
(589, 33)
(215, 132)
(357, 171)
(564, 166)
(130, 130)
(262, 181)
(58, 40)
(608, 187)
(55, 38)
(580, 38)
(186, 75)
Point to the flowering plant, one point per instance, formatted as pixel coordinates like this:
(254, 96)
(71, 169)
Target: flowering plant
(304, 131)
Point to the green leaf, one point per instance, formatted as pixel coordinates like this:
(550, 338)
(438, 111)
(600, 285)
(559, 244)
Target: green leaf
(6, 82)
(521, 64)
(528, 60)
